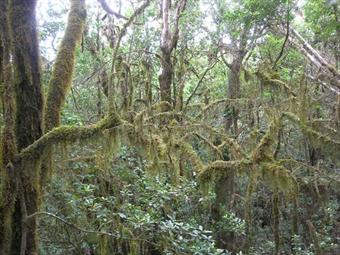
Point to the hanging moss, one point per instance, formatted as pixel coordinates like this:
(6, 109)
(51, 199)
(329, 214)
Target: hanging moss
(278, 177)
(262, 152)
(68, 134)
(220, 168)
(314, 237)
(319, 138)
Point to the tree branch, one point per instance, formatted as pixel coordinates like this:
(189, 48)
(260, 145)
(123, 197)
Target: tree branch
(67, 134)
(200, 82)
(107, 8)
(83, 229)
(61, 78)
(115, 53)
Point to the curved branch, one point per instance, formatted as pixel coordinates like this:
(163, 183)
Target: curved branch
(284, 42)
(122, 33)
(83, 229)
(107, 8)
(200, 82)
(67, 134)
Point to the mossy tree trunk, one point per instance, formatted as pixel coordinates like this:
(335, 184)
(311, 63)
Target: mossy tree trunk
(225, 186)
(20, 237)
(21, 176)
(61, 78)
(8, 143)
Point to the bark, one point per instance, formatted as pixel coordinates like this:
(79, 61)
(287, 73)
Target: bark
(147, 68)
(226, 185)
(61, 79)
(8, 145)
(224, 189)
(233, 93)
(22, 238)
(165, 78)
(169, 41)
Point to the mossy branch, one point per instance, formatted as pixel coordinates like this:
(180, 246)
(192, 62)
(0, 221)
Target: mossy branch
(261, 152)
(67, 134)
(278, 177)
(122, 33)
(309, 131)
(219, 168)
(61, 78)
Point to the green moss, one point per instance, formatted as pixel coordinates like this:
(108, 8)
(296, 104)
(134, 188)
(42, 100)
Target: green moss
(262, 152)
(278, 177)
(220, 168)
(63, 68)
(68, 134)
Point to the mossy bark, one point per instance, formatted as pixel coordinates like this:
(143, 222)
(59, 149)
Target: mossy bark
(61, 78)
(276, 221)
(8, 143)
(23, 177)
(165, 78)
(225, 186)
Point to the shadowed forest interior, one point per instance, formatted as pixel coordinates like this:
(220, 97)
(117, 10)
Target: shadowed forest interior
(150, 127)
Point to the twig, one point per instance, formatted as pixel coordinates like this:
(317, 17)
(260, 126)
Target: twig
(82, 229)
(200, 82)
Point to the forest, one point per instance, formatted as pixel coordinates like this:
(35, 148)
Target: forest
(150, 127)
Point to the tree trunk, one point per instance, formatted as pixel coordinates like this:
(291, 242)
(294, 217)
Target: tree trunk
(21, 189)
(165, 78)
(61, 78)
(20, 237)
(224, 189)
(225, 186)
(8, 143)
(169, 41)
(233, 93)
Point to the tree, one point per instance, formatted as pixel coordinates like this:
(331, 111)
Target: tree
(22, 176)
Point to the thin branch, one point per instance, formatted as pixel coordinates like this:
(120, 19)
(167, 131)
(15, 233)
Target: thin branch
(200, 82)
(175, 33)
(225, 61)
(284, 42)
(115, 52)
(107, 8)
(83, 229)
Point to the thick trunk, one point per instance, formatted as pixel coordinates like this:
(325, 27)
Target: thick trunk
(169, 41)
(8, 143)
(61, 78)
(22, 236)
(224, 189)
(165, 78)
(225, 186)
(233, 93)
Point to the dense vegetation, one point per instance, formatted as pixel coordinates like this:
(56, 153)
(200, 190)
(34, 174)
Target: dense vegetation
(169, 127)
